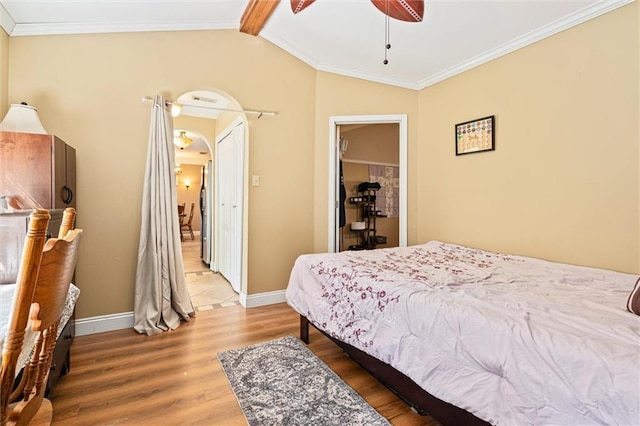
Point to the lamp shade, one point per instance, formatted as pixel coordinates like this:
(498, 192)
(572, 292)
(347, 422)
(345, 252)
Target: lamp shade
(22, 118)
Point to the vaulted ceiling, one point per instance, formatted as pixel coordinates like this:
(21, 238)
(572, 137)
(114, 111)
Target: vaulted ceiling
(346, 37)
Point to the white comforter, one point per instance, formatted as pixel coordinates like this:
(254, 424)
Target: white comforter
(513, 340)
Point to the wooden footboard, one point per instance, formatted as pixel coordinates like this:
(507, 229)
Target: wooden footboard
(406, 389)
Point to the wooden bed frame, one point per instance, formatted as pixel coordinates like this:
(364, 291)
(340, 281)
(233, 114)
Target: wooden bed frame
(406, 389)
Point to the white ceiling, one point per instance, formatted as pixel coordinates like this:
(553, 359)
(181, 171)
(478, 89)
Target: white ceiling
(344, 37)
(203, 103)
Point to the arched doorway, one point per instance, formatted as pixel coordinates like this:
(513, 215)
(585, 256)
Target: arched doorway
(209, 116)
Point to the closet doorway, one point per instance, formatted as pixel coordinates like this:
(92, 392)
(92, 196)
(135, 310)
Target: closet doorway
(366, 162)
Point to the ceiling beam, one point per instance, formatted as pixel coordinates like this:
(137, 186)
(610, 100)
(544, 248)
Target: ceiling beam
(256, 15)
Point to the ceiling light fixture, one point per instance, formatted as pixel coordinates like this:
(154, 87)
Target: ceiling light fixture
(182, 141)
(176, 108)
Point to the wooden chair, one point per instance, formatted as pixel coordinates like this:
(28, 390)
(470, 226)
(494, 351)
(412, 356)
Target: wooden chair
(68, 222)
(187, 224)
(181, 213)
(43, 282)
(181, 216)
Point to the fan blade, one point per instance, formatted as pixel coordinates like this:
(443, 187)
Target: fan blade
(300, 5)
(403, 10)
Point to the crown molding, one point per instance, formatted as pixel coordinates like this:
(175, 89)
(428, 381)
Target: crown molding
(6, 22)
(541, 33)
(320, 66)
(117, 27)
(287, 47)
(376, 78)
(548, 30)
(574, 19)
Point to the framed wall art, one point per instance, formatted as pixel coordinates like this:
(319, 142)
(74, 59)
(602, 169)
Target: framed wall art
(475, 135)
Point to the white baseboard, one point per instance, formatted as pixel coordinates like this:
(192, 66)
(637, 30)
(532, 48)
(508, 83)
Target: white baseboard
(124, 320)
(104, 323)
(262, 299)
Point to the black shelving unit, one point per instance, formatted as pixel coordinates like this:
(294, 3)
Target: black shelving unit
(367, 238)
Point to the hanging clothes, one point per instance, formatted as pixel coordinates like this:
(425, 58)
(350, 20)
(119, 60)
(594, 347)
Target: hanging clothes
(161, 296)
(343, 199)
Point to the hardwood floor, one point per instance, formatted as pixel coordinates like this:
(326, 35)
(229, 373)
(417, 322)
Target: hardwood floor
(124, 378)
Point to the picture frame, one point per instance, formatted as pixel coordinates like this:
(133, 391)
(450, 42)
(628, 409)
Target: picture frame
(475, 136)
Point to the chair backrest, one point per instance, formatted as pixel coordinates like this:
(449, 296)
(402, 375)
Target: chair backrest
(68, 221)
(45, 274)
(25, 288)
(193, 205)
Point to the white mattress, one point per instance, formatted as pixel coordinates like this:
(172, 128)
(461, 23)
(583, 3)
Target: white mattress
(7, 292)
(513, 340)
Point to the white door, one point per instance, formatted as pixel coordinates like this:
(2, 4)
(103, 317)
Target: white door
(230, 184)
(225, 170)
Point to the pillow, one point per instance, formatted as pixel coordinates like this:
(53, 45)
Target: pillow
(10, 255)
(633, 304)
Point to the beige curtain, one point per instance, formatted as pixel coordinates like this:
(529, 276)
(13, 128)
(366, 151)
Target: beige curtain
(161, 296)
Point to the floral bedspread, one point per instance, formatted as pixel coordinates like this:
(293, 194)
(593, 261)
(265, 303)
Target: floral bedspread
(514, 340)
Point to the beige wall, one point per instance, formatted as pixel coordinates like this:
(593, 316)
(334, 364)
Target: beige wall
(374, 142)
(87, 89)
(225, 120)
(563, 181)
(193, 174)
(4, 72)
(338, 95)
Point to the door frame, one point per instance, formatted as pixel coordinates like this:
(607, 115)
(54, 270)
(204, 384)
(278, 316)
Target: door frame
(334, 174)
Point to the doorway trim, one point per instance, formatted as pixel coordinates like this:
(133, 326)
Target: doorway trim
(334, 179)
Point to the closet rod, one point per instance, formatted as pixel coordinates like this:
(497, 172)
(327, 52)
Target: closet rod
(246, 111)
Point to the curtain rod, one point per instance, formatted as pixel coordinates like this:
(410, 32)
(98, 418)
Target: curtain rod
(246, 111)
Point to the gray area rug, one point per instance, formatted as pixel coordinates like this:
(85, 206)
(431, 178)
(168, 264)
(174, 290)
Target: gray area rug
(281, 382)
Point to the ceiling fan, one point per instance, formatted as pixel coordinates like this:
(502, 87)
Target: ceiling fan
(403, 10)
(257, 13)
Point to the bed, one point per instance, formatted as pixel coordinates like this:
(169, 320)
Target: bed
(502, 339)
(66, 330)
